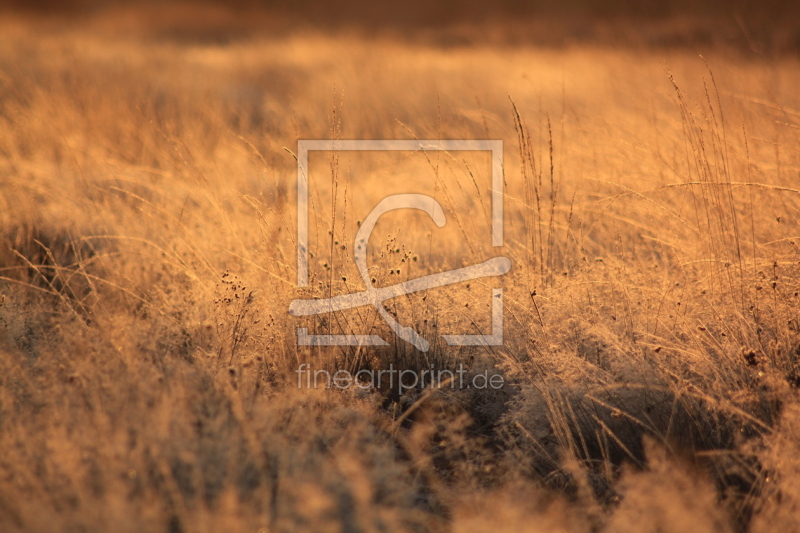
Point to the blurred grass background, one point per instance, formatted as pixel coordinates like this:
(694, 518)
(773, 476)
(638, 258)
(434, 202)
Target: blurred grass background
(769, 26)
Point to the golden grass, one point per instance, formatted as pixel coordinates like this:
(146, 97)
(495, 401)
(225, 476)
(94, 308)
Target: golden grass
(652, 331)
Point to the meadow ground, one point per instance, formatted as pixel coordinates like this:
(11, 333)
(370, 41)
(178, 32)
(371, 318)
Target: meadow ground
(148, 221)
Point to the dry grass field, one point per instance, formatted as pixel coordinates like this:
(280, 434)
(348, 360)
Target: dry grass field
(148, 361)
